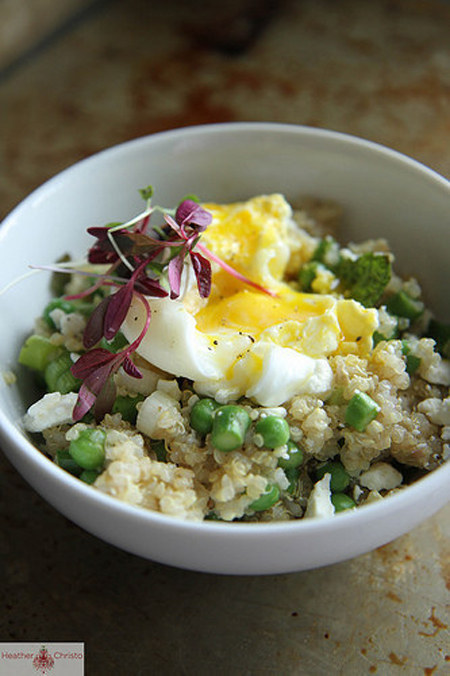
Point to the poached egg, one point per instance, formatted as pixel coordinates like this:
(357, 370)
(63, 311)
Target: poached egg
(240, 341)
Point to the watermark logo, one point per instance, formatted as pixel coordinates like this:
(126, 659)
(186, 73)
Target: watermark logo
(41, 659)
(43, 662)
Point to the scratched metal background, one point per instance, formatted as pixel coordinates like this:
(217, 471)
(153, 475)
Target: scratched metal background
(112, 71)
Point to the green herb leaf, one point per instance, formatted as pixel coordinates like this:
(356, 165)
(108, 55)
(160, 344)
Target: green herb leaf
(327, 252)
(308, 273)
(192, 198)
(146, 193)
(402, 304)
(366, 277)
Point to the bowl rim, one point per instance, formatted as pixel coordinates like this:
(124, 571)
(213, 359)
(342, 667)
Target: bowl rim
(12, 436)
(352, 140)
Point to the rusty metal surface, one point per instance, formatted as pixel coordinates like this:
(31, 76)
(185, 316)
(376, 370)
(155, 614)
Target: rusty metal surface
(379, 70)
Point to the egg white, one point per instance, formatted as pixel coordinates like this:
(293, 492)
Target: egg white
(239, 342)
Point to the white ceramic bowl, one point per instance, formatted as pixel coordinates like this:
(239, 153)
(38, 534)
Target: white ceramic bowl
(383, 193)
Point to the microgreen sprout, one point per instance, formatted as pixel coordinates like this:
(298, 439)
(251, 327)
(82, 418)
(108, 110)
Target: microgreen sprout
(137, 262)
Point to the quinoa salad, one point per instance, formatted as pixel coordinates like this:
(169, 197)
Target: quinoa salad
(237, 362)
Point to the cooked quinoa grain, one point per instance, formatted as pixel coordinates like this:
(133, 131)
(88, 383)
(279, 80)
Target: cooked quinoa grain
(389, 364)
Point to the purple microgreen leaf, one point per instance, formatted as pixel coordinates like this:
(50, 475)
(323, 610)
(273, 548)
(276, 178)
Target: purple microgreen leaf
(117, 308)
(174, 270)
(95, 326)
(138, 243)
(105, 400)
(169, 220)
(142, 226)
(91, 361)
(191, 213)
(202, 270)
(192, 240)
(100, 232)
(104, 251)
(95, 368)
(84, 403)
(150, 287)
(130, 367)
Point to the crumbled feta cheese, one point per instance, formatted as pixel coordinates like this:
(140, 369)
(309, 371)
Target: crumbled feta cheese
(75, 431)
(381, 477)
(53, 409)
(159, 416)
(281, 478)
(144, 385)
(412, 288)
(438, 372)
(374, 496)
(436, 410)
(387, 323)
(72, 324)
(319, 501)
(170, 387)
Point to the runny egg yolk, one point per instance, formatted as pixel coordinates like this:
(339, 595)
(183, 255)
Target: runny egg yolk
(253, 312)
(240, 341)
(253, 237)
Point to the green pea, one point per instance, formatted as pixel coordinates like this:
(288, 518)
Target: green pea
(88, 450)
(58, 375)
(292, 475)
(126, 406)
(274, 431)
(230, 425)
(89, 476)
(267, 499)
(37, 352)
(341, 501)
(360, 411)
(340, 479)
(57, 303)
(202, 414)
(293, 457)
(402, 304)
(64, 460)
